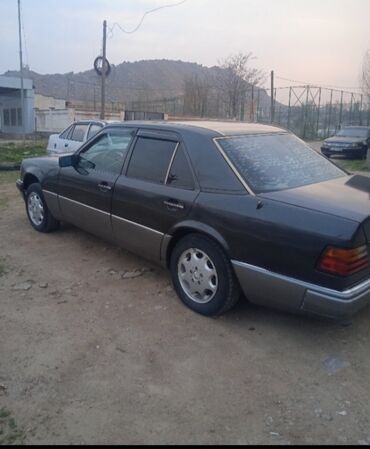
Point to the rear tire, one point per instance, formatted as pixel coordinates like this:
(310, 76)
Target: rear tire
(203, 277)
(37, 210)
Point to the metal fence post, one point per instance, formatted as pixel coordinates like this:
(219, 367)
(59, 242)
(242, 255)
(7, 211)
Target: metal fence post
(330, 111)
(290, 106)
(318, 115)
(351, 110)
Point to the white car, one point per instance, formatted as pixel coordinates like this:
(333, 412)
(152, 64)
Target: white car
(70, 140)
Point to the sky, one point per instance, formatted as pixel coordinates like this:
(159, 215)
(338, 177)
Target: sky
(315, 41)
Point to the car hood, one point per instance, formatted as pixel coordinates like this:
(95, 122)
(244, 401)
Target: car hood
(338, 139)
(347, 197)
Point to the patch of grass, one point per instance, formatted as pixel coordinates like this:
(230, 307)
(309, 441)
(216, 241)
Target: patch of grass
(3, 203)
(9, 431)
(8, 177)
(14, 153)
(351, 165)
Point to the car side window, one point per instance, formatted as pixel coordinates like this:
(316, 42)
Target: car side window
(150, 159)
(94, 129)
(65, 133)
(79, 133)
(180, 174)
(107, 153)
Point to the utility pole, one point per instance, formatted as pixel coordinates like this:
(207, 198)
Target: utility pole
(103, 76)
(272, 97)
(21, 70)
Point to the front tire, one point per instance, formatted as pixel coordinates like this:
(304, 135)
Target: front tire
(38, 213)
(203, 277)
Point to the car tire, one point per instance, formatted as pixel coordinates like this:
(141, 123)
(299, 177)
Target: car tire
(37, 210)
(203, 277)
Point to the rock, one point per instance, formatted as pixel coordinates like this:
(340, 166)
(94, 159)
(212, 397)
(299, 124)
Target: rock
(333, 364)
(44, 285)
(23, 286)
(132, 274)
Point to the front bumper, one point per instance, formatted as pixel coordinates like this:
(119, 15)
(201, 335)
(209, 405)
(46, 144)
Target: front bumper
(271, 289)
(19, 184)
(351, 152)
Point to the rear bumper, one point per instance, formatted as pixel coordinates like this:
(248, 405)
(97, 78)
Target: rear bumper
(271, 289)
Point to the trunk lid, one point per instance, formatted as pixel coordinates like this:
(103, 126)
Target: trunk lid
(347, 197)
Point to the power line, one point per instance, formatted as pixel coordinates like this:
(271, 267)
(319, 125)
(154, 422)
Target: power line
(315, 84)
(151, 11)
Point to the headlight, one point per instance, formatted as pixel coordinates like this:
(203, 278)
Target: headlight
(326, 145)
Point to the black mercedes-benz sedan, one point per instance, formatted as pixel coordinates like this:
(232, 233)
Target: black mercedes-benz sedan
(226, 206)
(350, 141)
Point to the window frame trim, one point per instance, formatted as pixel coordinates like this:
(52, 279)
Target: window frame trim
(105, 131)
(85, 134)
(231, 165)
(158, 138)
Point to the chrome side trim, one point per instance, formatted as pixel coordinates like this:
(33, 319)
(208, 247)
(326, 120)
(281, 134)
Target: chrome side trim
(138, 225)
(84, 205)
(107, 213)
(164, 249)
(233, 168)
(49, 193)
(342, 296)
(52, 202)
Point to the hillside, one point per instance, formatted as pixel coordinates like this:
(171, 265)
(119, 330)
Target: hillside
(126, 79)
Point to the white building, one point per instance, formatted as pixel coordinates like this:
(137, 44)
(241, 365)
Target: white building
(11, 119)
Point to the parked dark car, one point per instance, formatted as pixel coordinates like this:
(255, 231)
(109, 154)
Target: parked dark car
(351, 141)
(225, 206)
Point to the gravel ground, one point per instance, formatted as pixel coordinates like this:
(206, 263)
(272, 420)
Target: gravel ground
(96, 348)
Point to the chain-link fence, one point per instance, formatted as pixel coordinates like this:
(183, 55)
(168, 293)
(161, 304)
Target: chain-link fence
(316, 112)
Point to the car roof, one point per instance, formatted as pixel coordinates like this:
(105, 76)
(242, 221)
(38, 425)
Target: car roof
(212, 127)
(102, 122)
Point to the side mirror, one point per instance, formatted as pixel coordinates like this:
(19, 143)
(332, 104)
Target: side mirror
(68, 161)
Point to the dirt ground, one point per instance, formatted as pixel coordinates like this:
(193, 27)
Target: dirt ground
(94, 351)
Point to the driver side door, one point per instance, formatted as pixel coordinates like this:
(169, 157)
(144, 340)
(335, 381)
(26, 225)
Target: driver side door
(85, 190)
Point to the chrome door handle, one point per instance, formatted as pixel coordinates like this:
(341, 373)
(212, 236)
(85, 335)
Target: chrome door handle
(104, 187)
(173, 205)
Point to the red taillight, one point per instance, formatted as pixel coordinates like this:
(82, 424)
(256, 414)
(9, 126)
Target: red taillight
(344, 262)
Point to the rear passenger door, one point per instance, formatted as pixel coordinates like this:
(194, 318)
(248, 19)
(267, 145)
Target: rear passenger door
(156, 190)
(77, 137)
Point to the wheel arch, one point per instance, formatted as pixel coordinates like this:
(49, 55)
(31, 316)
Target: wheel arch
(186, 228)
(30, 178)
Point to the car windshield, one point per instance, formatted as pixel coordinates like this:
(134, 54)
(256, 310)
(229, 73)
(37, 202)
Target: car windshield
(353, 132)
(276, 162)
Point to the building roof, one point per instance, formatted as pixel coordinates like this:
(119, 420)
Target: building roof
(12, 82)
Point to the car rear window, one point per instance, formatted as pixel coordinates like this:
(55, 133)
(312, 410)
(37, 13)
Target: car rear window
(276, 162)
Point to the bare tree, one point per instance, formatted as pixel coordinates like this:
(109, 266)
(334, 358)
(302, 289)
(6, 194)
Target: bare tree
(235, 78)
(196, 92)
(366, 75)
